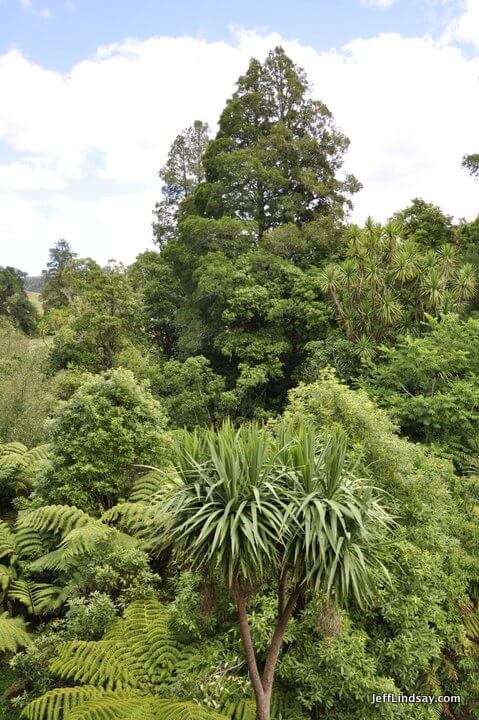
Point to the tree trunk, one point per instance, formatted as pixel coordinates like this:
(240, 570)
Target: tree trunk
(263, 686)
(262, 709)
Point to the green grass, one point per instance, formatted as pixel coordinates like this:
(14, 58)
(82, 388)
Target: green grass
(35, 299)
(7, 678)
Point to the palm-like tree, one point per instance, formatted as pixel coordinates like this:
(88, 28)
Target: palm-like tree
(387, 284)
(256, 507)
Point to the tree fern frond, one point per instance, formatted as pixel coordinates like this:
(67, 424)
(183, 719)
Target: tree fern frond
(138, 518)
(12, 634)
(19, 466)
(171, 710)
(12, 448)
(151, 648)
(38, 454)
(29, 542)
(471, 625)
(38, 598)
(153, 486)
(111, 707)
(54, 518)
(59, 703)
(7, 574)
(103, 663)
(8, 545)
(240, 710)
(147, 708)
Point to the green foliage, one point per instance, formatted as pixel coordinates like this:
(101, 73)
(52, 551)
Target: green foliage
(56, 292)
(19, 467)
(277, 152)
(190, 391)
(338, 521)
(138, 654)
(14, 303)
(471, 164)
(415, 622)
(182, 173)
(25, 390)
(247, 505)
(88, 618)
(287, 590)
(253, 509)
(103, 313)
(37, 598)
(85, 553)
(426, 225)
(386, 286)
(12, 633)
(161, 294)
(429, 385)
(107, 426)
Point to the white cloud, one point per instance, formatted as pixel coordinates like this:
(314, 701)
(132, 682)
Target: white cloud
(30, 174)
(378, 3)
(410, 107)
(25, 3)
(465, 27)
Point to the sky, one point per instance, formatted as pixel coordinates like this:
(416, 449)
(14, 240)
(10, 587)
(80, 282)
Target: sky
(92, 93)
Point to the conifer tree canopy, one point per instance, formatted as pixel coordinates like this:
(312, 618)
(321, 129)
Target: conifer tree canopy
(277, 152)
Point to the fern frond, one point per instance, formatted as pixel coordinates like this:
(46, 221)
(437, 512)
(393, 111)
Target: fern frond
(171, 710)
(19, 466)
(8, 545)
(12, 448)
(153, 486)
(13, 634)
(103, 663)
(471, 625)
(29, 542)
(137, 518)
(150, 646)
(7, 574)
(38, 454)
(147, 708)
(54, 518)
(240, 710)
(78, 542)
(59, 703)
(38, 598)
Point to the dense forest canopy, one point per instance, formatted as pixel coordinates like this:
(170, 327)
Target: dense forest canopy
(239, 478)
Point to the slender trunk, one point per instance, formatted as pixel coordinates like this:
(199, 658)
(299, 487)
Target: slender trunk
(262, 710)
(282, 593)
(263, 686)
(276, 643)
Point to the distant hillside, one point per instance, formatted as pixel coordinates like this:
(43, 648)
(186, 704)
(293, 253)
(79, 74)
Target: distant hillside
(33, 283)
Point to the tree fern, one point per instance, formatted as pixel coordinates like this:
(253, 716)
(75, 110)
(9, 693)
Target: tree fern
(37, 598)
(137, 518)
(19, 466)
(138, 651)
(79, 534)
(12, 634)
(59, 703)
(7, 574)
(151, 487)
(102, 663)
(148, 643)
(8, 545)
(54, 518)
(148, 708)
(138, 655)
